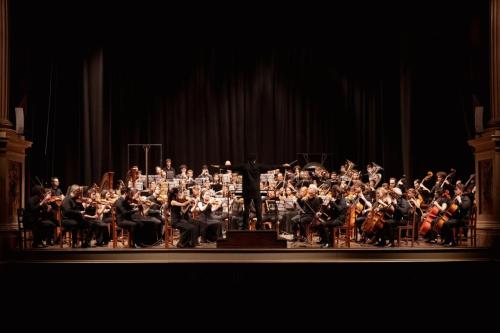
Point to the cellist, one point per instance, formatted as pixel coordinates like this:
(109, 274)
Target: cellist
(459, 218)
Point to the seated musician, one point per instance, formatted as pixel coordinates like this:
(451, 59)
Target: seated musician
(94, 211)
(365, 205)
(217, 184)
(205, 173)
(271, 216)
(441, 202)
(155, 205)
(336, 211)
(183, 174)
(459, 218)
(290, 202)
(72, 216)
(179, 207)
(190, 178)
(310, 205)
(38, 216)
(211, 227)
(399, 217)
(383, 204)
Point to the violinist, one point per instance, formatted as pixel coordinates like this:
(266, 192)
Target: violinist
(309, 207)
(38, 217)
(392, 221)
(459, 218)
(72, 216)
(94, 211)
(211, 227)
(336, 211)
(178, 207)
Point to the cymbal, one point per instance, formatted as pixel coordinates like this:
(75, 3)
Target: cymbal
(215, 166)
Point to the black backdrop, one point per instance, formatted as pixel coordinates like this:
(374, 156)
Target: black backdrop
(384, 83)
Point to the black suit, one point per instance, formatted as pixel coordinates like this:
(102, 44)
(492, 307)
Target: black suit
(250, 171)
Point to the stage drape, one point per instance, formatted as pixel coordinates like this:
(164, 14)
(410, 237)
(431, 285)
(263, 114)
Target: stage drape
(400, 96)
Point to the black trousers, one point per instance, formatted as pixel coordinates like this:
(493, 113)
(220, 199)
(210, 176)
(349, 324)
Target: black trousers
(257, 201)
(189, 232)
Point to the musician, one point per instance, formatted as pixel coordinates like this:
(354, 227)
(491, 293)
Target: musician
(393, 220)
(271, 203)
(280, 183)
(459, 218)
(335, 211)
(250, 172)
(72, 217)
(216, 185)
(93, 214)
(38, 216)
(211, 227)
(205, 173)
(416, 204)
(310, 205)
(441, 183)
(190, 179)
(421, 190)
(440, 201)
(179, 206)
(155, 205)
(290, 202)
(183, 174)
(159, 173)
(365, 206)
(169, 169)
(54, 188)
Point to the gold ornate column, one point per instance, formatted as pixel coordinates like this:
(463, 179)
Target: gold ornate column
(487, 146)
(12, 149)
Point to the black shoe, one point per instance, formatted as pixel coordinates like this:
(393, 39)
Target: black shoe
(73, 245)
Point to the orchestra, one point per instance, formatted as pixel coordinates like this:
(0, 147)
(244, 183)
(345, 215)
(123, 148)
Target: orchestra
(296, 202)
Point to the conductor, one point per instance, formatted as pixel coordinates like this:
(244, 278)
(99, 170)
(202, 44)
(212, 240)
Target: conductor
(250, 171)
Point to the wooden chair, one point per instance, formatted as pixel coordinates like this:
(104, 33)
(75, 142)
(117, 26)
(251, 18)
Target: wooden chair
(409, 228)
(471, 227)
(25, 234)
(347, 230)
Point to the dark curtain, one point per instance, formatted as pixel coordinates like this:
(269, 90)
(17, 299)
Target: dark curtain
(398, 94)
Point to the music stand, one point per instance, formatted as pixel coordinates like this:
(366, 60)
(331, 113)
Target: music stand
(146, 147)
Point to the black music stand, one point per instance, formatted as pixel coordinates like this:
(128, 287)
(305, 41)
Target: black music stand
(146, 147)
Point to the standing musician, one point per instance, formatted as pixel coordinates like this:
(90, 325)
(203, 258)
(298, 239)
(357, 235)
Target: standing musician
(169, 169)
(251, 186)
(179, 207)
(460, 216)
(309, 207)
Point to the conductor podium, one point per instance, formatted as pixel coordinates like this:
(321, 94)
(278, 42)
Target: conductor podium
(246, 239)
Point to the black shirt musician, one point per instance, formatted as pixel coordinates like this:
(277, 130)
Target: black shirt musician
(250, 171)
(459, 209)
